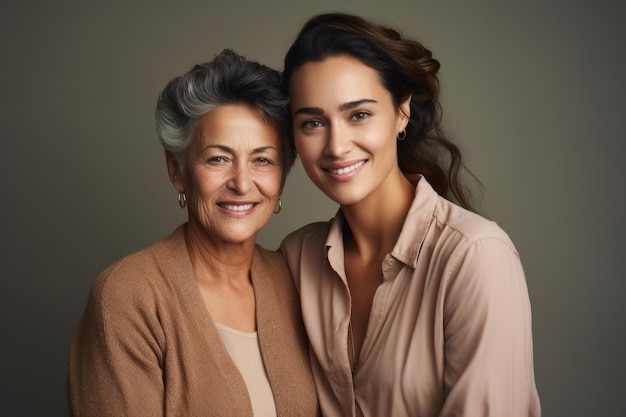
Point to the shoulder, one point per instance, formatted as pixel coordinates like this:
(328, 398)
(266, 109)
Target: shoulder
(468, 227)
(468, 249)
(443, 229)
(126, 301)
(124, 286)
(476, 255)
(303, 246)
(270, 267)
(311, 235)
(136, 276)
(266, 260)
(119, 302)
(121, 276)
(273, 286)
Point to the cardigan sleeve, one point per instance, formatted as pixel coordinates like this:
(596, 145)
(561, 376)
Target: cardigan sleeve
(116, 355)
(488, 337)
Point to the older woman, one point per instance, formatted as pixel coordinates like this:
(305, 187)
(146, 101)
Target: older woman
(204, 322)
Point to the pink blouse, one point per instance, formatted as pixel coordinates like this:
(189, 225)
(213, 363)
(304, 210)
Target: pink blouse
(449, 332)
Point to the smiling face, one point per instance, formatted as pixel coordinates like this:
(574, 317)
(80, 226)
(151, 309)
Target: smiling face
(345, 128)
(233, 174)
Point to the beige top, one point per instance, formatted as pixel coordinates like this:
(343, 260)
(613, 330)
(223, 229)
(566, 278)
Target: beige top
(146, 344)
(245, 352)
(449, 332)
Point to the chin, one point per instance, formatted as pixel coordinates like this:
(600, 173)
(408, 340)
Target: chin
(237, 236)
(344, 198)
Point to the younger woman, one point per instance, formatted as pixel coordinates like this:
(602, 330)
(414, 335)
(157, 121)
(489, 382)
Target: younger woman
(414, 305)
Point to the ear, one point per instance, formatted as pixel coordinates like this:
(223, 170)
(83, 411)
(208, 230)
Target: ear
(174, 172)
(404, 114)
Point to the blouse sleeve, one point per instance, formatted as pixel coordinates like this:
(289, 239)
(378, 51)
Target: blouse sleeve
(116, 355)
(488, 335)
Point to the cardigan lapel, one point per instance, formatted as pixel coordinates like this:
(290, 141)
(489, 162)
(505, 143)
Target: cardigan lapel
(174, 260)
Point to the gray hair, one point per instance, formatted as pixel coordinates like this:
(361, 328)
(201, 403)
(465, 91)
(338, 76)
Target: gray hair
(228, 79)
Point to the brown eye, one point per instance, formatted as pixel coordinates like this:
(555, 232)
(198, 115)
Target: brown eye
(312, 124)
(360, 115)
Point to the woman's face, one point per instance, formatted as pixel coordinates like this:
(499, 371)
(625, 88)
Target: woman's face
(345, 127)
(233, 173)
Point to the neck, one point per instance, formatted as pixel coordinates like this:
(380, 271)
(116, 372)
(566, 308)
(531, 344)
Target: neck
(375, 223)
(218, 262)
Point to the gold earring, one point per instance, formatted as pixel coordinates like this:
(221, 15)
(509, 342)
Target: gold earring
(402, 135)
(182, 200)
(279, 206)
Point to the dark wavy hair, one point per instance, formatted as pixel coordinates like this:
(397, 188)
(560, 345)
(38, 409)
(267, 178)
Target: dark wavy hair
(228, 79)
(406, 69)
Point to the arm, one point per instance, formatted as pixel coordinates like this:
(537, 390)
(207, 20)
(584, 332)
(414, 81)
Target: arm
(115, 362)
(488, 335)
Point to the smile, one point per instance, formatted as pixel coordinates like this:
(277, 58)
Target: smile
(346, 170)
(237, 207)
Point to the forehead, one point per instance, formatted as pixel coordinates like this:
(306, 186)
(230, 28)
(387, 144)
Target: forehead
(334, 80)
(236, 125)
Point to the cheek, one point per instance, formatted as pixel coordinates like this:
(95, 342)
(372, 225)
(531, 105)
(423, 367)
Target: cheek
(381, 140)
(307, 150)
(269, 183)
(203, 183)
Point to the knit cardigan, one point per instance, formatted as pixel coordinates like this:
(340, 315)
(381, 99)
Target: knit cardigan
(147, 346)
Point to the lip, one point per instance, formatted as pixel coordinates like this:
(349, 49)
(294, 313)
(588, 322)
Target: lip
(344, 171)
(237, 208)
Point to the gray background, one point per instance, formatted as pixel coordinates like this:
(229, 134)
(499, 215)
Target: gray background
(532, 90)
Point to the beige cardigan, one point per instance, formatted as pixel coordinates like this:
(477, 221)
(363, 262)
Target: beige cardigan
(146, 345)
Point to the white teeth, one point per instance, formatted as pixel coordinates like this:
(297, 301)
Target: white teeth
(346, 169)
(241, 207)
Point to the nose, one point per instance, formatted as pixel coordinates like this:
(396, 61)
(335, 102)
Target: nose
(338, 141)
(241, 180)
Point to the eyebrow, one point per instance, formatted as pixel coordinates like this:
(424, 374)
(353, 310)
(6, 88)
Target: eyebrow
(265, 148)
(232, 151)
(342, 107)
(352, 104)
